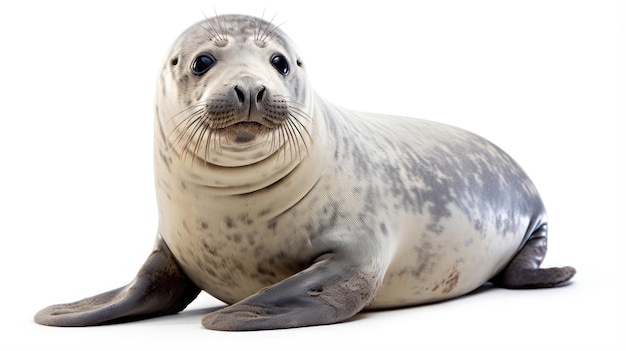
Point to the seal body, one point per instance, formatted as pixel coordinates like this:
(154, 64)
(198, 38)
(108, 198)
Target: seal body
(298, 212)
(437, 210)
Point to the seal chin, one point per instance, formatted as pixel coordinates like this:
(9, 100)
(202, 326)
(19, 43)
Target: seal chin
(244, 137)
(244, 132)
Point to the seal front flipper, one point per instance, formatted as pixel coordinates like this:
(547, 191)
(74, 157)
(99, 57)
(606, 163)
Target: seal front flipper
(524, 273)
(330, 291)
(160, 288)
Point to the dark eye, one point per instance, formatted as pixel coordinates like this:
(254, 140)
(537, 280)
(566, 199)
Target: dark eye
(280, 63)
(202, 63)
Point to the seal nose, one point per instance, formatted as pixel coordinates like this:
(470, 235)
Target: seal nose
(255, 93)
(240, 95)
(260, 93)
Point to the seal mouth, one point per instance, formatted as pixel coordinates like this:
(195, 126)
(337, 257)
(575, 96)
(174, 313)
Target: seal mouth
(244, 132)
(252, 125)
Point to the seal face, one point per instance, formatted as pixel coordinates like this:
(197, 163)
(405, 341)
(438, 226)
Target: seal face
(298, 212)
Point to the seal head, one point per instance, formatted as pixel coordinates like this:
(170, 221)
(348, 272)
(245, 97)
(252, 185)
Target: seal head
(233, 93)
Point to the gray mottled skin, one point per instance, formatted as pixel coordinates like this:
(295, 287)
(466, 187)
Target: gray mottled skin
(297, 212)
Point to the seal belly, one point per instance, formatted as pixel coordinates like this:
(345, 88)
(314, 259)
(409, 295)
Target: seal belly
(432, 266)
(459, 206)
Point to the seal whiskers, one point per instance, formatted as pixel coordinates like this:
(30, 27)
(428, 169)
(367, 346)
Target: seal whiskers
(262, 33)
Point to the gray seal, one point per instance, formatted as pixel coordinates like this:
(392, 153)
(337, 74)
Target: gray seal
(297, 212)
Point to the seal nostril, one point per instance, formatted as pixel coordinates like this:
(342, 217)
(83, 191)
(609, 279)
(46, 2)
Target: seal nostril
(260, 94)
(240, 94)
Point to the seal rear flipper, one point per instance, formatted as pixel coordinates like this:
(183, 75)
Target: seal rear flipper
(330, 291)
(160, 288)
(524, 273)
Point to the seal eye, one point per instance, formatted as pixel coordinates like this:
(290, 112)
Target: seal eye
(202, 63)
(280, 63)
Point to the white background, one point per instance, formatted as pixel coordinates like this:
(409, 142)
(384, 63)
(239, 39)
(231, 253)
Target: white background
(542, 79)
